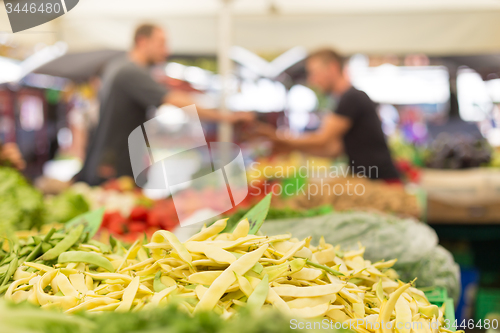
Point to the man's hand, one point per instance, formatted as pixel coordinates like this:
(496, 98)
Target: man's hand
(266, 130)
(10, 152)
(240, 117)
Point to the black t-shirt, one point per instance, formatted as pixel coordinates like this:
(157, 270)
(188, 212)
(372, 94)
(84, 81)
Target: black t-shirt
(127, 92)
(364, 142)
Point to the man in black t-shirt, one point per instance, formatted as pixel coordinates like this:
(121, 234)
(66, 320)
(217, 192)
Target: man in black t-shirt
(354, 127)
(127, 91)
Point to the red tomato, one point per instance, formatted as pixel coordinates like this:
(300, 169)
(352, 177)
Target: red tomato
(139, 213)
(136, 226)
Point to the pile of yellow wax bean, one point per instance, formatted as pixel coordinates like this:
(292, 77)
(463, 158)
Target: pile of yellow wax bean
(225, 272)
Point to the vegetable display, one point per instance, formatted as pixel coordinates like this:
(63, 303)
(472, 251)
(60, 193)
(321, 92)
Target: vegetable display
(223, 269)
(24, 318)
(351, 193)
(21, 205)
(65, 206)
(458, 151)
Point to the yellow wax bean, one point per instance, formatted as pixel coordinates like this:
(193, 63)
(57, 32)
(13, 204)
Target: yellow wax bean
(131, 253)
(353, 298)
(310, 312)
(111, 276)
(283, 246)
(162, 294)
(429, 311)
(337, 315)
(213, 230)
(129, 295)
(403, 315)
(287, 255)
(304, 253)
(65, 286)
(89, 282)
(200, 291)
(92, 303)
(66, 302)
(138, 265)
(20, 296)
(168, 281)
(151, 270)
(385, 264)
(324, 257)
(311, 301)
(354, 253)
(20, 273)
(309, 274)
(227, 278)
(39, 267)
(212, 252)
(275, 300)
(163, 235)
(15, 284)
(102, 308)
(245, 285)
(389, 306)
(205, 277)
(293, 291)
(241, 230)
(224, 244)
(359, 310)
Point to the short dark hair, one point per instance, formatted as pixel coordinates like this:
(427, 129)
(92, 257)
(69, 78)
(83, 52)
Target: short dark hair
(327, 56)
(144, 30)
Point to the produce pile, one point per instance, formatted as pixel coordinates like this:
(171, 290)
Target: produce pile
(458, 151)
(373, 195)
(223, 269)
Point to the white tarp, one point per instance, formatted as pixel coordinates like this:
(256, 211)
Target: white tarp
(382, 26)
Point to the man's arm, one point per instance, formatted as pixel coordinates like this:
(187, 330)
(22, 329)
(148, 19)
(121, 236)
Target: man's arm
(181, 99)
(327, 139)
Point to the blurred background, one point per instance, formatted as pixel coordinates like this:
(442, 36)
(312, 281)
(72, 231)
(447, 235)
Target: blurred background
(431, 66)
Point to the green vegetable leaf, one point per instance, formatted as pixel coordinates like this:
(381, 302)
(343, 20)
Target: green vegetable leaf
(91, 221)
(256, 216)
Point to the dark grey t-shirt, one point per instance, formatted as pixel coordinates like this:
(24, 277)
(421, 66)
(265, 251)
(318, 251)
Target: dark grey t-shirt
(127, 92)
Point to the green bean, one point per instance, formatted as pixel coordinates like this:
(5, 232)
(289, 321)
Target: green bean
(325, 268)
(58, 235)
(10, 271)
(71, 238)
(26, 250)
(49, 235)
(4, 288)
(37, 240)
(103, 247)
(46, 247)
(8, 259)
(259, 295)
(34, 253)
(4, 269)
(86, 257)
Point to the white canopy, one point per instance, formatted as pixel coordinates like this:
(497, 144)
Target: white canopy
(437, 27)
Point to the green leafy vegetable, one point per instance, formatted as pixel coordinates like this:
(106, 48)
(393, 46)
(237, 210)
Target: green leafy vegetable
(21, 205)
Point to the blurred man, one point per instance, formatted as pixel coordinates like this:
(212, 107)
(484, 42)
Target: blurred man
(353, 127)
(127, 92)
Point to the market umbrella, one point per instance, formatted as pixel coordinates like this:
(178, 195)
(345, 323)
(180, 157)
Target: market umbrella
(79, 66)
